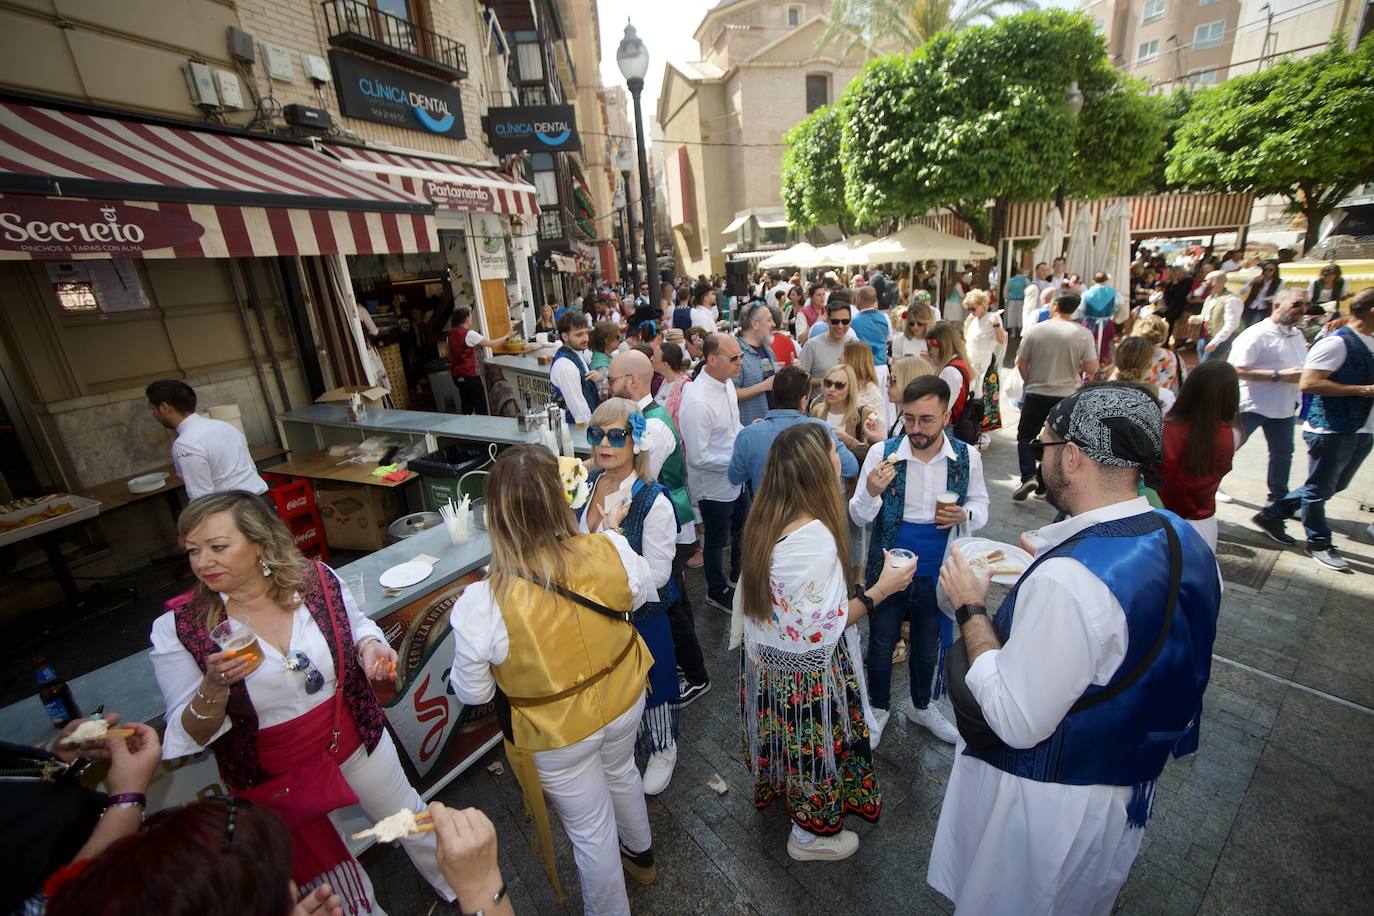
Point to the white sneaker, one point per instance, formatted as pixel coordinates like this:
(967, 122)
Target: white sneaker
(875, 728)
(1370, 530)
(1222, 497)
(933, 720)
(824, 848)
(659, 771)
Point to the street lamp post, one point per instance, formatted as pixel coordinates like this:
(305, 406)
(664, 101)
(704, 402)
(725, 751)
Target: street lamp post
(1074, 105)
(633, 60)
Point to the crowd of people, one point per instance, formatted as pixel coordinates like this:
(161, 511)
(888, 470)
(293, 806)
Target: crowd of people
(817, 449)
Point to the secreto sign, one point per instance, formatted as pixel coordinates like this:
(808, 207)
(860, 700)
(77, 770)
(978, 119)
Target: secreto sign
(51, 227)
(539, 128)
(373, 92)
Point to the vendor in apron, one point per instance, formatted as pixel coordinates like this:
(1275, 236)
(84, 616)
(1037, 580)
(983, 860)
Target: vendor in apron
(901, 483)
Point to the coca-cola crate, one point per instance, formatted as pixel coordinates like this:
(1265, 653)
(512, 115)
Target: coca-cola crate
(308, 533)
(293, 496)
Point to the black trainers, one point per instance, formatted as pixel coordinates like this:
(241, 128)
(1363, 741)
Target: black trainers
(689, 692)
(640, 865)
(1021, 492)
(1273, 527)
(725, 600)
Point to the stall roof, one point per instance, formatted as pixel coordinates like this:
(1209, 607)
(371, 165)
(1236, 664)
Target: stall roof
(229, 194)
(445, 183)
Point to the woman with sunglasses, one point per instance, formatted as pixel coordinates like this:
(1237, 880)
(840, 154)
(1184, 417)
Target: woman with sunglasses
(618, 436)
(270, 716)
(549, 635)
(839, 407)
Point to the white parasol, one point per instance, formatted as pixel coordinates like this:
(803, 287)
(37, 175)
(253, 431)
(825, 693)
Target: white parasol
(1051, 237)
(1112, 253)
(921, 243)
(798, 255)
(841, 253)
(1079, 259)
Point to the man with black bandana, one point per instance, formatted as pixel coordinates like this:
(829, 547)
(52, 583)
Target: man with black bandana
(1088, 679)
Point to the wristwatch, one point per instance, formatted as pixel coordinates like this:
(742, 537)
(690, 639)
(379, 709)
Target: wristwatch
(1274, 376)
(965, 611)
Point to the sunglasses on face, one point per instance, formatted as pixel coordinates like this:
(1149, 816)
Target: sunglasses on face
(1038, 447)
(615, 436)
(835, 383)
(732, 359)
(839, 322)
(296, 660)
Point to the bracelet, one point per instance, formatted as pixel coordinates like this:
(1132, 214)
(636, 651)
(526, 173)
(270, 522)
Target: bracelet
(358, 649)
(191, 707)
(127, 800)
(208, 700)
(495, 899)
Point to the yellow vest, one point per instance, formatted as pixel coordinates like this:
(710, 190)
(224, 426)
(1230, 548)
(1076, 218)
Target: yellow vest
(571, 670)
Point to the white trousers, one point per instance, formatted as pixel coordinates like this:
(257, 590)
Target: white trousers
(383, 789)
(889, 408)
(596, 789)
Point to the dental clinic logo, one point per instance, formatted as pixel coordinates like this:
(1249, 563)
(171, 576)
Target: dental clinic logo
(549, 133)
(431, 111)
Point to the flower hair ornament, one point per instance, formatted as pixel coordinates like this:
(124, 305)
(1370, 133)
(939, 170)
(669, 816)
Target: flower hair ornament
(639, 431)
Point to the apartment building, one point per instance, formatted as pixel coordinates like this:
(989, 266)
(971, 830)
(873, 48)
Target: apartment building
(1169, 42)
(723, 118)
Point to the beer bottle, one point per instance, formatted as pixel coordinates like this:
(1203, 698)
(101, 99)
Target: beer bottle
(54, 694)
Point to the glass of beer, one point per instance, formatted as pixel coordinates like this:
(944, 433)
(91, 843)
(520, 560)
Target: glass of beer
(946, 500)
(236, 635)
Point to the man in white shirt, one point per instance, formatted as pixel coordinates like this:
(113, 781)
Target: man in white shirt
(1057, 275)
(709, 417)
(1030, 301)
(1339, 432)
(1221, 318)
(1268, 357)
(1069, 708)
(703, 305)
(901, 485)
(823, 352)
(574, 382)
(210, 456)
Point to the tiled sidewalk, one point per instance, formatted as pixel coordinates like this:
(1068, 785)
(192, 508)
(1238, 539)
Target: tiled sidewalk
(1273, 815)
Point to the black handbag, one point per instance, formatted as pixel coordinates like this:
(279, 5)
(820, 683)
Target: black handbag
(968, 716)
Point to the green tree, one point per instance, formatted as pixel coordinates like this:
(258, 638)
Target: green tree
(905, 24)
(981, 115)
(1300, 130)
(812, 181)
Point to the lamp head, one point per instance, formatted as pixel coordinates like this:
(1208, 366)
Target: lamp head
(1074, 102)
(632, 57)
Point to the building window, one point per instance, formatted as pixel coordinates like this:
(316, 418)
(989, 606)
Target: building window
(1205, 78)
(817, 91)
(1147, 50)
(529, 61)
(1154, 9)
(545, 180)
(794, 15)
(1209, 35)
(1100, 26)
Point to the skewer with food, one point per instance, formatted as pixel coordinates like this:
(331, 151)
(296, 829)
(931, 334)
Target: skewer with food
(398, 826)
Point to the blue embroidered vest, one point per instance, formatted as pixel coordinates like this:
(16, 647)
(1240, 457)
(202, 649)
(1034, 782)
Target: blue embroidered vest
(642, 500)
(1126, 740)
(889, 517)
(1346, 414)
(589, 392)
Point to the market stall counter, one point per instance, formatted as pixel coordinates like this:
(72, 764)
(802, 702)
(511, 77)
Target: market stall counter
(309, 429)
(437, 736)
(516, 382)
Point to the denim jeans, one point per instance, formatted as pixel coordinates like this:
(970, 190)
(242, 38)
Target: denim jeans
(884, 629)
(1332, 460)
(722, 521)
(1035, 410)
(1221, 352)
(683, 623)
(1278, 434)
(1251, 316)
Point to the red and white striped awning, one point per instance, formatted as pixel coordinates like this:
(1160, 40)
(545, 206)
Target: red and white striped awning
(81, 185)
(450, 185)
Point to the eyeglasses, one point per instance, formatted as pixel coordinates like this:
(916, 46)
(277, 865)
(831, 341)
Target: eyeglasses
(912, 420)
(839, 322)
(612, 379)
(296, 660)
(731, 359)
(615, 436)
(1038, 447)
(835, 383)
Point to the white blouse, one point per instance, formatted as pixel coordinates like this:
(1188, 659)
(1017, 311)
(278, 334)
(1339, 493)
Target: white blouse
(659, 541)
(810, 599)
(480, 638)
(278, 694)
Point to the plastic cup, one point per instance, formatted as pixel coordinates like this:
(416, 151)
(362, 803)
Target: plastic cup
(946, 500)
(357, 587)
(236, 635)
(899, 557)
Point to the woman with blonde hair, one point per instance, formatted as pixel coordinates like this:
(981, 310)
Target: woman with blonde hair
(1132, 364)
(549, 635)
(839, 407)
(802, 700)
(618, 435)
(289, 710)
(912, 340)
(859, 357)
(904, 371)
(986, 340)
(950, 359)
(1166, 369)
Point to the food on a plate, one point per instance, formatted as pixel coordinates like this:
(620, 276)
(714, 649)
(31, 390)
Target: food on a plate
(53, 511)
(398, 826)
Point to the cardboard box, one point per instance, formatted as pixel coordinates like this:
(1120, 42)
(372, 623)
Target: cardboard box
(372, 397)
(356, 518)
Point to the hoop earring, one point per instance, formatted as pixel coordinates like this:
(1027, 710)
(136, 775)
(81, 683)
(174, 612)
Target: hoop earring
(266, 570)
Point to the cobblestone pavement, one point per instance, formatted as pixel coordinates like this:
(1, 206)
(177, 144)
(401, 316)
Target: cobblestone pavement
(1273, 815)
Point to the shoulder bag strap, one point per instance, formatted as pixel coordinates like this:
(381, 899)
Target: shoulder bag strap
(339, 662)
(1175, 580)
(586, 602)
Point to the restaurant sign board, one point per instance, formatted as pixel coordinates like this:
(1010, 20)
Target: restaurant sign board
(50, 227)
